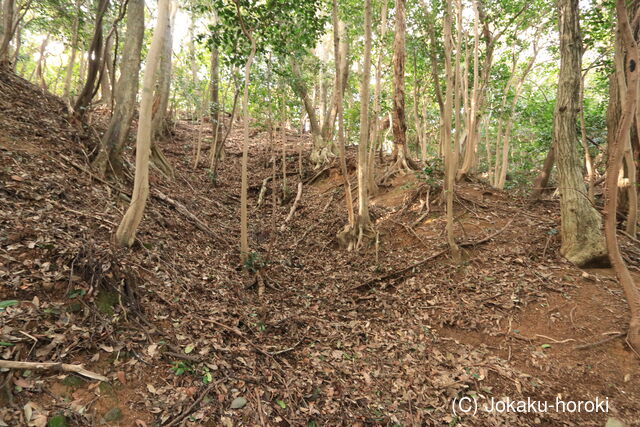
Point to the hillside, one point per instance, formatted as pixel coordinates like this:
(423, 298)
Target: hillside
(319, 335)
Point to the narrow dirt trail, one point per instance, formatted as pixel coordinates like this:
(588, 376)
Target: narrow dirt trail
(182, 332)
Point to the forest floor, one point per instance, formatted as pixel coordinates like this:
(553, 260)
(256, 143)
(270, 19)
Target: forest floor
(336, 338)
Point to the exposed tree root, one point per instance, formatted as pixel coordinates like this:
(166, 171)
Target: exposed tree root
(159, 160)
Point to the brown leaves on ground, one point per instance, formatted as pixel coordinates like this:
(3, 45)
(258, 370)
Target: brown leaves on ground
(180, 329)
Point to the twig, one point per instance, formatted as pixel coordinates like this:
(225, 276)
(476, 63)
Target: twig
(176, 421)
(54, 366)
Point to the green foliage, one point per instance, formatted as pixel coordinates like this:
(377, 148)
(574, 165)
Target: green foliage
(254, 262)
(279, 26)
(180, 368)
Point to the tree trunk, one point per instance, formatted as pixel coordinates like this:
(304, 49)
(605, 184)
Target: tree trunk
(469, 160)
(8, 12)
(319, 153)
(582, 240)
(160, 122)
(106, 73)
(542, 180)
(244, 226)
(161, 99)
(449, 160)
(400, 150)
(74, 51)
(126, 233)
(95, 60)
(40, 67)
(339, 50)
(627, 176)
(355, 236)
(375, 139)
(109, 159)
(611, 191)
(501, 178)
(214, 88)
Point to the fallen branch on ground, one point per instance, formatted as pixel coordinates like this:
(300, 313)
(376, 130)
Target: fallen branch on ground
(293, 207)
(182, 209)
(51, 366)
(411, 270)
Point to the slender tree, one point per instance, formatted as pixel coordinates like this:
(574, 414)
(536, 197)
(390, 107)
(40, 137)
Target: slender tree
(126, 233)
(109, 159)
(448, 151)
(616, 152)
(244, 221)
(95, 61)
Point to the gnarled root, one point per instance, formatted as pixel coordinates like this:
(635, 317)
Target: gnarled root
(320, 156)
(402, 165)
(354, 237)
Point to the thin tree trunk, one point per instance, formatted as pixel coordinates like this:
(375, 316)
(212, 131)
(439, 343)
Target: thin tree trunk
(449, 160)
(501, 179)
(214, 88)
(588, 161)
(354, 237)
(611, 190)
(472, 135)
(95, 60)
(74, 50)
(542, 180)
(338, 32)
(126, 233)
(109, 159)
(375, 139)
(244, 226)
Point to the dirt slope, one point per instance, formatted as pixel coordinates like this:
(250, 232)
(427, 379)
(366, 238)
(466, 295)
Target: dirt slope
(336, 339)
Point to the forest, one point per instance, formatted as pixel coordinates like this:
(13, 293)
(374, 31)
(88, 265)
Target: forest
(319, 213)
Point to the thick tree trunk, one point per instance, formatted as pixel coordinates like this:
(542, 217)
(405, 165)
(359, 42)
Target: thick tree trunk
(126, 233)
(611, 191)
(95, 60)
(582, 240)
(8, 13)
(109, 159)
